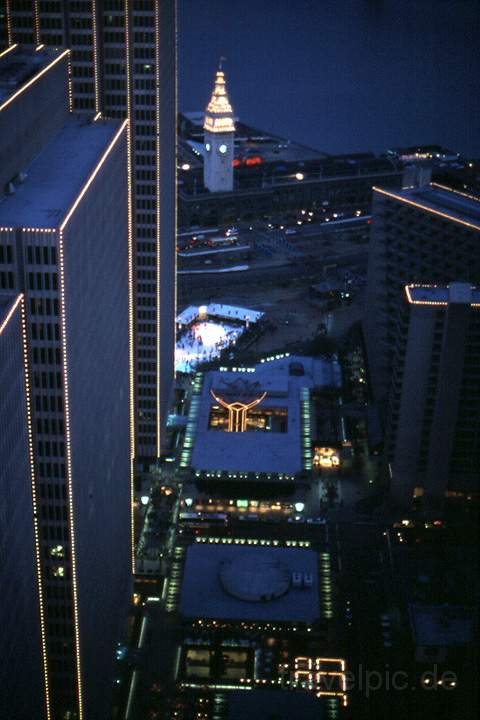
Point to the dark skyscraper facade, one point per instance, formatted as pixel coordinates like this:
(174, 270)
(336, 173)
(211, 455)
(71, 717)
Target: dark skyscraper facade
(123, 62)
(21, 636)
(423, 234)
(433, 419)
(64, 247)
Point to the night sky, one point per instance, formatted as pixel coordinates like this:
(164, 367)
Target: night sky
(340, 75)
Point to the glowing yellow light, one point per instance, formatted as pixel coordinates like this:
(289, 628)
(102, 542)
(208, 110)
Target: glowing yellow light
(33, 80)
(457, 192)
(131, 285)
(159, 239)
(69, 82)
(311, 670)
(63, 327)
(36, 509)
(237, 411)
(8, 49)
(219, 112)
(428, 209)
(9, 21)
(37, 22)
(10, 313)
(413, 301)
(93, 175)
(95, 57)
(326, 457)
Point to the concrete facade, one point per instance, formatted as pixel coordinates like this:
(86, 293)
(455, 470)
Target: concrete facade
(123, 63)
(433, 420)
(64, 245)
(20, 639)
(423, 235)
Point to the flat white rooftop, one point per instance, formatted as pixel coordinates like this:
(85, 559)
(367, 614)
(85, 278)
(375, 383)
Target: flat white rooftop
(262, 451)
(204, 595)
(57, 175)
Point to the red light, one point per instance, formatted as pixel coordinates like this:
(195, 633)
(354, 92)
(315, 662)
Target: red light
(236, 162)
(254, 160)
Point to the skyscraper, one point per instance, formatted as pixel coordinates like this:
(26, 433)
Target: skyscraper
(426, 234)
(123, 62)
(64, 248)
(20, 639)
(219, 139)
(433, 423)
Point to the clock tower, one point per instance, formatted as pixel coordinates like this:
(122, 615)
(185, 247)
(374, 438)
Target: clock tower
(219, 127)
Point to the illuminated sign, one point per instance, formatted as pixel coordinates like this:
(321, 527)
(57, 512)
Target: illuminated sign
(326, 457)
(324, 676)
(237, 411)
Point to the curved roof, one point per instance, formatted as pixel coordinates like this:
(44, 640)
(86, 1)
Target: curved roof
(255, 577)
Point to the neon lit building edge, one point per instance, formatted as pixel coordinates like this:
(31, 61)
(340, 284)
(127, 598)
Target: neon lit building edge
(63, 335)
(8, 49)
(35, 508)
(67, 407)
(420, 206)
(412, 301)
(131, 282)
(33, 80)
(158, 233)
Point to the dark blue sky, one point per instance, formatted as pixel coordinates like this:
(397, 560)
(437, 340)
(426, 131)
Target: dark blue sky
(340, 75)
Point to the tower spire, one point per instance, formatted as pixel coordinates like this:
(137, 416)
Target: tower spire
(219, 112)
(219, 138)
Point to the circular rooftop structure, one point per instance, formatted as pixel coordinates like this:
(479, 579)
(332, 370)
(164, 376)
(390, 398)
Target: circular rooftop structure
(254, 577)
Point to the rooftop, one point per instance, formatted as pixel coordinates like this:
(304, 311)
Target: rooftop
(439, 200)
(56, 176)
(458, 293)
(241, 583)
(8, 305)
(273, 705)
(19, 64)
(423, 152)
(442, 625)
(260, 451)
(250, 142)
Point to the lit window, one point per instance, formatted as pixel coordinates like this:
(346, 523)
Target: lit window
(57, 551)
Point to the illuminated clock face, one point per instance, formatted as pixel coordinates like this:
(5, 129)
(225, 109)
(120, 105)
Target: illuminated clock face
(223, 148)
(208, 147)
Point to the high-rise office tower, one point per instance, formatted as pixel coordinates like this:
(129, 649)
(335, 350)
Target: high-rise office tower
(123, 62)
(433, 420)
(20, 640)
(64, 246)
(219, 139)
(426, 234)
